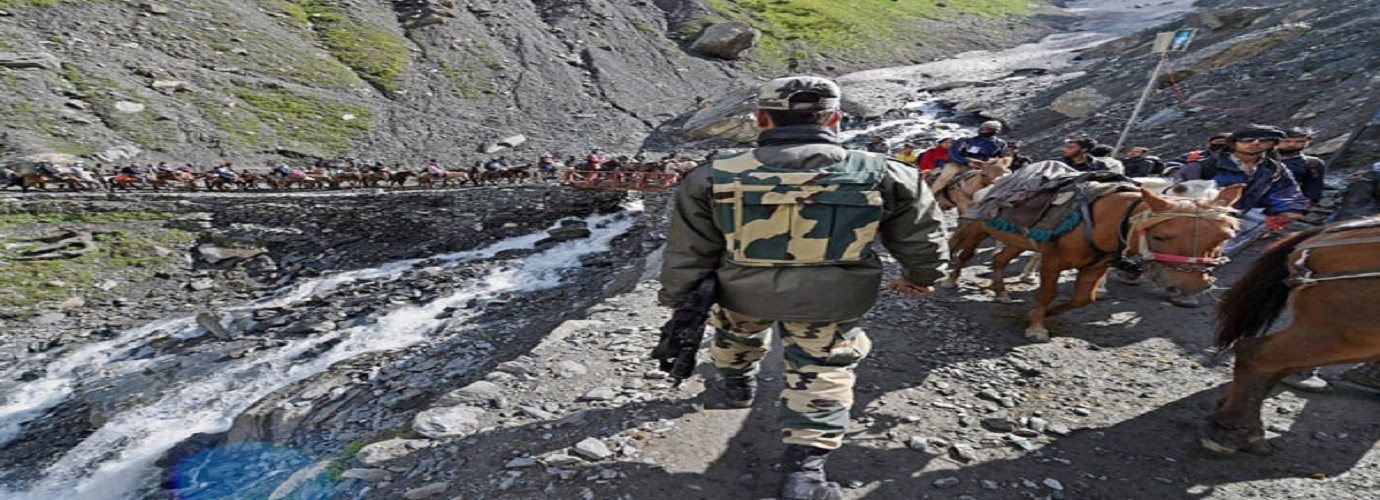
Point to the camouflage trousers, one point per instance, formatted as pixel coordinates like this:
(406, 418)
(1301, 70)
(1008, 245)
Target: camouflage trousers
(820, 358)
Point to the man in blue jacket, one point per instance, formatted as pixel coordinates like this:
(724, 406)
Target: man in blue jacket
(1269, 185)
(972, 152)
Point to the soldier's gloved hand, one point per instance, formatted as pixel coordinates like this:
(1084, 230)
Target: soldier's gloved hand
(906, 287)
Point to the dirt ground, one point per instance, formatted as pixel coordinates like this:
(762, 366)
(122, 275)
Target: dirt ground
(945, 407)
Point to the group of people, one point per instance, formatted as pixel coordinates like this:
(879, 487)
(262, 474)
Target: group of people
(813, 287)
(1281, 179)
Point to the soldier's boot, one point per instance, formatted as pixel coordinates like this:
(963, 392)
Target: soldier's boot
(805, 479)
(733, 392)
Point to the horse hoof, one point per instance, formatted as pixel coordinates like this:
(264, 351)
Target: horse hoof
(1041, 336)
(1215, 447)
(1030, 280)
(1006, 299)
(946, 284)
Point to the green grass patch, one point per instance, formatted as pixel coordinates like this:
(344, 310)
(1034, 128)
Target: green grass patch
(304, 121)
(11, 220)
(121, 256)
(473, 76)
(377, 54)
(810, 26)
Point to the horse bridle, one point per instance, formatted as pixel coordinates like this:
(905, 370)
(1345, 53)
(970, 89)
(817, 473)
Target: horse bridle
(1139, 226)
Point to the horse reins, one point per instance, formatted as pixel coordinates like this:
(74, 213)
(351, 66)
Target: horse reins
(1139, 226)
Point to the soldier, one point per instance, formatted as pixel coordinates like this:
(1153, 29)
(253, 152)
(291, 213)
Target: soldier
(788, 230)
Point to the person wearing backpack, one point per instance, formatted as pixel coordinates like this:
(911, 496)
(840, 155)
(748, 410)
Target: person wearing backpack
(1308, 171)
(788, 230)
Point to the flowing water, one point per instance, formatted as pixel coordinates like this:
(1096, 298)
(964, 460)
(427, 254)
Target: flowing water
(116, 461)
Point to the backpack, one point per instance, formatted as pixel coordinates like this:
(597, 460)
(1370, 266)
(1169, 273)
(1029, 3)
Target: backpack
(774, 217)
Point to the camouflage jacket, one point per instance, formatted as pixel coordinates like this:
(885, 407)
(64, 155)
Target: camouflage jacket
(843, 284)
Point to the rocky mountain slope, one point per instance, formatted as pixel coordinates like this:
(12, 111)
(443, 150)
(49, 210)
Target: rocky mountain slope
(1287, 63)
(405, 80)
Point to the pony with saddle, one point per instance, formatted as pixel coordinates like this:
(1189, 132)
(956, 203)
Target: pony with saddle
(962, 190)
(1326, 277)
(1090, 222)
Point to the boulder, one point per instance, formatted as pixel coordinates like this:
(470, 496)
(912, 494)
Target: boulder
(1080, 102)
(729, 118)
(445, 422)
(118, 153)
(367, 475)
(429, 491)
(168, 85)
(128, 107)
(29, 60)
(214, 254)
(157, 9)
(502, 144)
(727, 40)
(376, 454)
(211, 323)
(477, 394)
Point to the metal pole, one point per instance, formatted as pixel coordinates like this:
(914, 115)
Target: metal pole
(1144, 96)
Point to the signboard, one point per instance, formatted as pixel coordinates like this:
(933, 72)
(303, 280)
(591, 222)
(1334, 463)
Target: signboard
(1176, 41)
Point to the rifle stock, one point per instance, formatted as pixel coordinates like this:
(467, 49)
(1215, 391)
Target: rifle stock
(682, 335)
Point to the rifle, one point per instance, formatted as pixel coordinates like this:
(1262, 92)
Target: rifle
(682, 335)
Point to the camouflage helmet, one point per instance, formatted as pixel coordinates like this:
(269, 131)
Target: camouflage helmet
(776, 94)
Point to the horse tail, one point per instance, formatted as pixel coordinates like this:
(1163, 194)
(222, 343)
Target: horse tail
(1256, 300)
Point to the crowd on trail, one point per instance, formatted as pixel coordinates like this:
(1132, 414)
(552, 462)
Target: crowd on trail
(781, 240)
(1216, 158)
(344, 173)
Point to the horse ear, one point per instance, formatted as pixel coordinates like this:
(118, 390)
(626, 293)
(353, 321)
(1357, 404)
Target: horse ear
(1228, 196)
(1156, 202)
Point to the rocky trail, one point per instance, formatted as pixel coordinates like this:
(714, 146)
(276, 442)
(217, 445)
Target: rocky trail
(952, 404)
(493, 343)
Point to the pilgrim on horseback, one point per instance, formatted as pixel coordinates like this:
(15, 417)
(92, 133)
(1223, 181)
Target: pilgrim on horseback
(1250, 159)
(972, 153)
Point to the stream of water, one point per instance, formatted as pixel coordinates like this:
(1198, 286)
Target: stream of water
(116, 461)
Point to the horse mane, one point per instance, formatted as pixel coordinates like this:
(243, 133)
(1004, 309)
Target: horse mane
(1255, 301)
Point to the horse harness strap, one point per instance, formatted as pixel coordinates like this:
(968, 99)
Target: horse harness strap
(1303, 276)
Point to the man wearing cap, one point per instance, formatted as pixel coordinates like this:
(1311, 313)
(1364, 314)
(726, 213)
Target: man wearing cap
(972, 152)
(1308, 171)
(788, 230)
(1269, 185)
(1247, 160)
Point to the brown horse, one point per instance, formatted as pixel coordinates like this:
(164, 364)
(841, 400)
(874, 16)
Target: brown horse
(1326, 277)
(163, 178)
(398, 179)
(959, 192)
(427, 179)
(1179, 239)
(40, 181)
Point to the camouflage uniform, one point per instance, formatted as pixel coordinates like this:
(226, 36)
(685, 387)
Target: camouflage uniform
(820, 358)
(788, 229)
